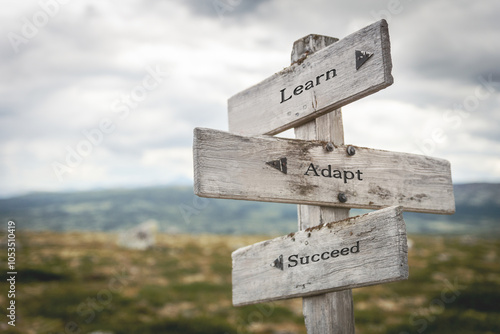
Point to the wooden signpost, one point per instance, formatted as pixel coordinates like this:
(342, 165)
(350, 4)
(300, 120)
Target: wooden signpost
(313, 172)
(328, 79)
(331, 253)
(360, 251)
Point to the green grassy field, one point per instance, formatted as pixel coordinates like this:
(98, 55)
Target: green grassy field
(84, 282)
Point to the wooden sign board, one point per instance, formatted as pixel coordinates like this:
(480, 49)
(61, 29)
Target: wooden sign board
(359, 251)
(305, 172)
(343, 72)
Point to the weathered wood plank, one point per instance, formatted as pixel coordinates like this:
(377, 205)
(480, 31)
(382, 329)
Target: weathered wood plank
(238, 167)
(359, 251)
(322, 82)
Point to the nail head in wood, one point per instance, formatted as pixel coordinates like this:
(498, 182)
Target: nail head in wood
(351, 150)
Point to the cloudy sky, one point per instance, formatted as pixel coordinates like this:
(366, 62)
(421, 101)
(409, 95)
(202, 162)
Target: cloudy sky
(105, 94)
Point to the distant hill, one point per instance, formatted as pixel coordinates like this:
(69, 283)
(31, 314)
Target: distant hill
(178, 210)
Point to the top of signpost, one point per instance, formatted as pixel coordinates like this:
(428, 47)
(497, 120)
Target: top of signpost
(345, 71)
(308, 45)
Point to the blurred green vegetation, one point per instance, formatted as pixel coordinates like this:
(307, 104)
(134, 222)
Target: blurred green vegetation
(178, 210)
(83, 282)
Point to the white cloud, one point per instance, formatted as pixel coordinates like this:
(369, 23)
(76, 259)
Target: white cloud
(65, 79)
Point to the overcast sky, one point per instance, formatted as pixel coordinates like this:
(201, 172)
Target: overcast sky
(105, 94)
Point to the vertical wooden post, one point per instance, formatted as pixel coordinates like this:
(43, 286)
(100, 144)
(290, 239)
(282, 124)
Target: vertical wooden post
(332, 312)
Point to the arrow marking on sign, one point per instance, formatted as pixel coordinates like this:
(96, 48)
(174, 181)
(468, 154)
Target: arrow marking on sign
(321, 83)
(278, 263)
(279, 164)
(234, 167)
(359, 251)
(361, 58)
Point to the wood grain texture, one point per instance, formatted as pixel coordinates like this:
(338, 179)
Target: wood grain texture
(234, 167)
(332, 312)
(329, 313)
(263, 109)
(308, 45)
(359, 251)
